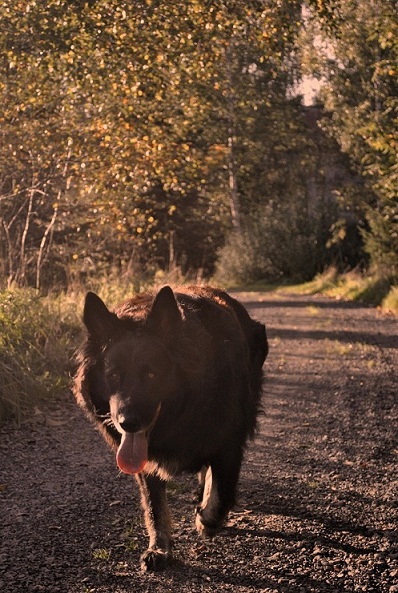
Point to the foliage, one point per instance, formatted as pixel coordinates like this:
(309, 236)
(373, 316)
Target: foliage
(289, 213)
(136, 136)
(381, 241)
(121, 126)
(359, 66)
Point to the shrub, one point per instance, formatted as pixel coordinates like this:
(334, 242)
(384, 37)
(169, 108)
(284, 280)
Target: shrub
(275, 244)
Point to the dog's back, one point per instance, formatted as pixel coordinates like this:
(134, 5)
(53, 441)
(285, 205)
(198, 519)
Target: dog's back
(255, 337)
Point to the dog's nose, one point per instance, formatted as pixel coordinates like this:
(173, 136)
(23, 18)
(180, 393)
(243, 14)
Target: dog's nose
(129, 423)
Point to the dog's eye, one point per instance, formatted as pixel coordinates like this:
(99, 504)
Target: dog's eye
(150, 375)
(114, 379)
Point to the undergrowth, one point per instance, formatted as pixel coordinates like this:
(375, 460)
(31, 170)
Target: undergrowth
(37, 339)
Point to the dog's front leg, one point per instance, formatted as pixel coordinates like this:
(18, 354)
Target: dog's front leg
(219, 492)
(157, 521)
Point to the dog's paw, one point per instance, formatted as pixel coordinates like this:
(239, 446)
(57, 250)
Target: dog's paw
(207, 527)
(155, 559)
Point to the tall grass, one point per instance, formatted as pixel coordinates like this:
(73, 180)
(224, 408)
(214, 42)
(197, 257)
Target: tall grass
(390, 303)
(37, 339)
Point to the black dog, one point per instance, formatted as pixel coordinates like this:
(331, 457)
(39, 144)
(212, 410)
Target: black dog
(174, 383)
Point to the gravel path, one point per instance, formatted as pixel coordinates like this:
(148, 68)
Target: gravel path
(318, 504)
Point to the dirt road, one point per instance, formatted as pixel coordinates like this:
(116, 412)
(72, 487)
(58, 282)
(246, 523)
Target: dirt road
(318, 505)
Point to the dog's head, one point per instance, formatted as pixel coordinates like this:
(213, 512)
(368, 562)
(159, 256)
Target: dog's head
(137, 371)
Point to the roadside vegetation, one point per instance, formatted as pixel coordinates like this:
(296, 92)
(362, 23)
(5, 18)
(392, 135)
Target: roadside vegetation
(37, 339)
(353, 286)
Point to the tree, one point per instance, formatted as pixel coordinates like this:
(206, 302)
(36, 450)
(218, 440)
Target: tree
(41, 141)
(144, 109)
(180, 106)
(359, 68)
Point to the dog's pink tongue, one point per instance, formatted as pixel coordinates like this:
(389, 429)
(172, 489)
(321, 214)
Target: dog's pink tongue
(132, 455)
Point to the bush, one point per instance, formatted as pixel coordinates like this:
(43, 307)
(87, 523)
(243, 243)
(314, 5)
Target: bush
(275, 245)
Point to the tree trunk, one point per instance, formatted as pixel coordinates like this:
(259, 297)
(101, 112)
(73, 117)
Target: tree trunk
(233, 186)
(22, 253)
(40, 260)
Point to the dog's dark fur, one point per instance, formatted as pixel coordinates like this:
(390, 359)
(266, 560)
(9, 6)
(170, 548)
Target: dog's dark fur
(183, 371)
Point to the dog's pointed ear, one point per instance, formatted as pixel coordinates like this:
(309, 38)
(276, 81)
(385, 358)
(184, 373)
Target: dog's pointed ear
(99, 321)
(165, 316)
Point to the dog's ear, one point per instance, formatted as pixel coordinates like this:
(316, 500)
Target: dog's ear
(165, 316)
(99, 321)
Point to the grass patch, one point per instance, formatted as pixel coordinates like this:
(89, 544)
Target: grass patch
(354, 286)
(101, 554)
(390, 302)
(313, 311)
(339, 348)
(321, 284)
